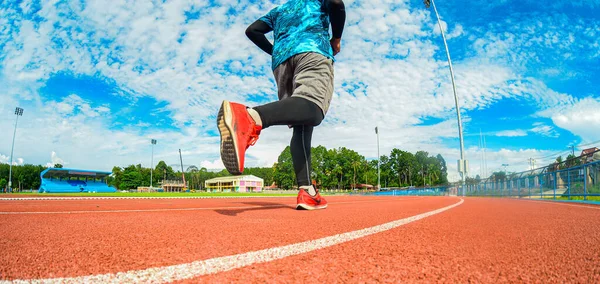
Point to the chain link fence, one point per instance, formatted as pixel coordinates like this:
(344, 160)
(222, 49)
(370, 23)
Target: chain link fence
(576, 182)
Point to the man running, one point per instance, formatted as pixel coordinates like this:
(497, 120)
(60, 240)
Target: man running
(302, 55)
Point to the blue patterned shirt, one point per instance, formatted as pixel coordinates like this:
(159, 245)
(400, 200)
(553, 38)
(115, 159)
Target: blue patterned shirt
(299, 26)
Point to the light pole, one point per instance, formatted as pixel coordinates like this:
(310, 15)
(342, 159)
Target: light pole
(572, 150)
(18, 112)
(462, 163)
(505, 165)
(153, 142)
(378, 161)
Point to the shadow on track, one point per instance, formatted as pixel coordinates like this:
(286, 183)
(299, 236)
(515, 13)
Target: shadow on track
(259, 206)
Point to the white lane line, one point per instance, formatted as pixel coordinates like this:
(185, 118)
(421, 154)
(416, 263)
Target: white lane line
(226, 263)
(183, 209)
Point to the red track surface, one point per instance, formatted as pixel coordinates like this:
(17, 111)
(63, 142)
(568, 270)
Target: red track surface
(483, 240)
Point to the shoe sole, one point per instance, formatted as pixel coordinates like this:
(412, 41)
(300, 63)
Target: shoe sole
(229, 154)
(308, 207)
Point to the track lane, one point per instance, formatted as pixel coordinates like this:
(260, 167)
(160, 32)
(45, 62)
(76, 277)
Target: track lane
(483, 241)
(61, 245)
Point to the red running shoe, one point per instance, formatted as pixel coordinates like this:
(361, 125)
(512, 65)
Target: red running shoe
(307, 202)
(238, 132)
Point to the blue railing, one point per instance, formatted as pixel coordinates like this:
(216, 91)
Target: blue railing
(575, 182)
(432, 191)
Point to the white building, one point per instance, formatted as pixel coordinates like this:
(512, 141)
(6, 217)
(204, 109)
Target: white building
(247, 183)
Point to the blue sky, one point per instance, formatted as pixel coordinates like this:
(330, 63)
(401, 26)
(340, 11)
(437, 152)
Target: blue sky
(98, 81)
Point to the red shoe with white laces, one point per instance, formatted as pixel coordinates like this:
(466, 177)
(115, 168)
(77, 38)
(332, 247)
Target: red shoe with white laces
(305, 201)
(238, 132)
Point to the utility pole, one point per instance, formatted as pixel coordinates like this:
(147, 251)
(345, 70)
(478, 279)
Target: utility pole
(532, 163)
(572, 150)
(462, 163)
(153, 142)
(18, 112)
(378, 161)
(182, 172)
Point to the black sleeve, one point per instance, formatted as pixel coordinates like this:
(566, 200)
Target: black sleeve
(256, 33)
(337, 16)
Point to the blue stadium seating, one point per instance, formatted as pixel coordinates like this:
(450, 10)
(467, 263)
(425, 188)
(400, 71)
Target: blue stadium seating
(60, 180)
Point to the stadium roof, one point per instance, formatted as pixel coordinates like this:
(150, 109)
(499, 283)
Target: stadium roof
(63, 172)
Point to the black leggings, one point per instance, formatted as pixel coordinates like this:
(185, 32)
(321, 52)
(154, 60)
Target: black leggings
(303, 115)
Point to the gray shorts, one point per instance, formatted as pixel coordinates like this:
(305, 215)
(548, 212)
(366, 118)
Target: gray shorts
(306, 75)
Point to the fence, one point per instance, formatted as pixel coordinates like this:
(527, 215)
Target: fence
(433, 191)
(573, 183)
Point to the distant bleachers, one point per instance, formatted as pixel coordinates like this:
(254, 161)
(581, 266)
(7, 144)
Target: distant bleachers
(59, 180)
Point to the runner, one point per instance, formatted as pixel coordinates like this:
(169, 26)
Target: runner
(302, 63)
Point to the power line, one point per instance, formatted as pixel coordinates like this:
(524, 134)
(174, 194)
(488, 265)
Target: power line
(583, 145)
(553, 155)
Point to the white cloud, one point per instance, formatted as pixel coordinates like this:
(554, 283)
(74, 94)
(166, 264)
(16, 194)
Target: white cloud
(544, 130)
(511, 133)
(456, 32)
(582, 118)
(215, 164)
(4, 159)
(54, 159)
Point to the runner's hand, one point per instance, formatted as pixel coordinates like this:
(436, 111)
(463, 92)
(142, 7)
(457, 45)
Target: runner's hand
(336, 45)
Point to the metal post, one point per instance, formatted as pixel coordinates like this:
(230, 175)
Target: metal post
(460, 131)
(555, 176)
(378, 161)
(569, 182)
(585, 177)
(153, 142)
(18, 112)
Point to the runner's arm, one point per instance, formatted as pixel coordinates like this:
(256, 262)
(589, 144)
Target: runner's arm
(256, 33)
(337, 16)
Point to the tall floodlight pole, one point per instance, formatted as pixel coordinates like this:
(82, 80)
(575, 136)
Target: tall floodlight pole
(378, 161)
(18, 112)
(153, 142)
(462, 163)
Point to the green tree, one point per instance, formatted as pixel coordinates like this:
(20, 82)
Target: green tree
(385, 168)
(162, 171)
(319, 164)
(284, 170)
(117, 174)
(354, 165)
(58, 166)
(443, 178)
(572, 161)
(131, 178)
(559, 163)
(404, 165)
(496, 176)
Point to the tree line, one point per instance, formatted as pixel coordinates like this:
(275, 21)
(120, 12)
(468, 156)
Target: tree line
(345, 168)
(332, 169)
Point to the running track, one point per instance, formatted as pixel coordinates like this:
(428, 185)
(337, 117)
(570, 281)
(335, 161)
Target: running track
(357, 239)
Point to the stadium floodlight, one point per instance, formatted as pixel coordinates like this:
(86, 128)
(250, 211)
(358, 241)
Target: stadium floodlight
(378, 160)
(462, 169)
(153, 142)
(18, 112)
(505, 165)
